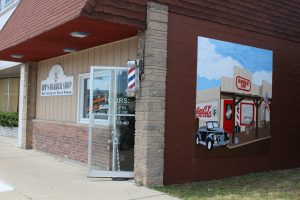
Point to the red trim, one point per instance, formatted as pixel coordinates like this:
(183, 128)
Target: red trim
(236, 83)
(241, 106)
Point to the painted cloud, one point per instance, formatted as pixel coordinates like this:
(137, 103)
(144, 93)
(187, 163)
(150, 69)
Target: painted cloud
(212, 65)
(216, 59)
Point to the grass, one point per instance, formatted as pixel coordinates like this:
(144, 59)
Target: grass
(271, 185)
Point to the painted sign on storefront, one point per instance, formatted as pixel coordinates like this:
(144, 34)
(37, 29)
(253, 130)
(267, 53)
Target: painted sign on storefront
(243, 84)
(57, 83)
(207, 111)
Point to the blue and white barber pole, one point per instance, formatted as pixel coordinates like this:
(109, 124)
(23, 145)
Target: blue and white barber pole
(133, 77)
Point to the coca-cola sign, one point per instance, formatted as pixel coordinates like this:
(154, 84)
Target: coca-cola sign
(243, 84)
(207, 111)
(204, 112)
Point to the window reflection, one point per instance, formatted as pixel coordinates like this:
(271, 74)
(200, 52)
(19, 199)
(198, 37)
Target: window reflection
(101, 96)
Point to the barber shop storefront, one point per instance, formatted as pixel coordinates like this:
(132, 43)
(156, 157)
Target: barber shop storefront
(73, 86)
(85, 108)
(160, 92)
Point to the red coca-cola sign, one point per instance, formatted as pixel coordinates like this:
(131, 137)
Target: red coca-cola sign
(243, 84)
(204, 112)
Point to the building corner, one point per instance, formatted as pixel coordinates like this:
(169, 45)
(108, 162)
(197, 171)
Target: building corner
(150, 106)
(27, 104)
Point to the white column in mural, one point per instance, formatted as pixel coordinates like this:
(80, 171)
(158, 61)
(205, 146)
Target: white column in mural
(21, 105)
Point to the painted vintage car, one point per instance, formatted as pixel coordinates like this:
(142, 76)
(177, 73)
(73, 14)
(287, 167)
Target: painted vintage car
(212, 135)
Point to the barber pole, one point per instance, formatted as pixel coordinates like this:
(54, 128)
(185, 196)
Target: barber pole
(131, 78)
(238, 115)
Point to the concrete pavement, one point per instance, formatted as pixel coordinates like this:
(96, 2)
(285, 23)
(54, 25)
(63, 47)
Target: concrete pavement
(28, 174)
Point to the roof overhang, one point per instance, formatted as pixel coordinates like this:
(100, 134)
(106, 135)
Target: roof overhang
(51, 43)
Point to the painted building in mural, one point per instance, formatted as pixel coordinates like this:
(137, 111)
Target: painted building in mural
(217, 104)
(234, 89)
(76, 99)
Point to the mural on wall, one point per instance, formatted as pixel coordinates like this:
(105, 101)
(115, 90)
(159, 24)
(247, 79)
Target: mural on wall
(234, 94)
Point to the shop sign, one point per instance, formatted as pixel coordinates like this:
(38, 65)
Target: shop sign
(207, 111)
(243, 84)
(57, 83)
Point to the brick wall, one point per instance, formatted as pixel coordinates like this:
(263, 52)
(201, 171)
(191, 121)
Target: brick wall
(71, 141)
(184, 160)
(276, 18)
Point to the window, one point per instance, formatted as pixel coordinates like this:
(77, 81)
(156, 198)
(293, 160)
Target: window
(228, 112)
(247, 114)
(100, 100)
(110, 101)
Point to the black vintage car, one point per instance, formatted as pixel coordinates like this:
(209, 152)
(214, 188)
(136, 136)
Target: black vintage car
(211, 135)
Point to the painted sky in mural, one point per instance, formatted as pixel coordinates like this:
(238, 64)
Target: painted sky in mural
(217, 58)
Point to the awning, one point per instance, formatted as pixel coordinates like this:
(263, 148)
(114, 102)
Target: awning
(39, 30)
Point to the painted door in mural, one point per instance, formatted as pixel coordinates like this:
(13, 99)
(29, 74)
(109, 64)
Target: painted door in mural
(112, 124)
(228, 117)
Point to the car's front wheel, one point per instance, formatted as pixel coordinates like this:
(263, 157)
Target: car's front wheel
(209, 144)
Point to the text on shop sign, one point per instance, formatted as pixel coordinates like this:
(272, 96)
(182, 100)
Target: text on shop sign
(57, 83)
(243, 84)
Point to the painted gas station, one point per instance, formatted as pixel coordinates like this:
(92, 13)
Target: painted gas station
(122, 88)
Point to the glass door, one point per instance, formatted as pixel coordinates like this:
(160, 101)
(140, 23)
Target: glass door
(112, 124)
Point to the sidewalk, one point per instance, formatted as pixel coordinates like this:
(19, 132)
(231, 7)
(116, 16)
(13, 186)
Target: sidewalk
(37, 176)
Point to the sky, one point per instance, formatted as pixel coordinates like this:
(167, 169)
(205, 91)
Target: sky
(217, 58)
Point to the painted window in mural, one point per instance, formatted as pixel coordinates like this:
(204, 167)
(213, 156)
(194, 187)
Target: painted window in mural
(234, 93)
